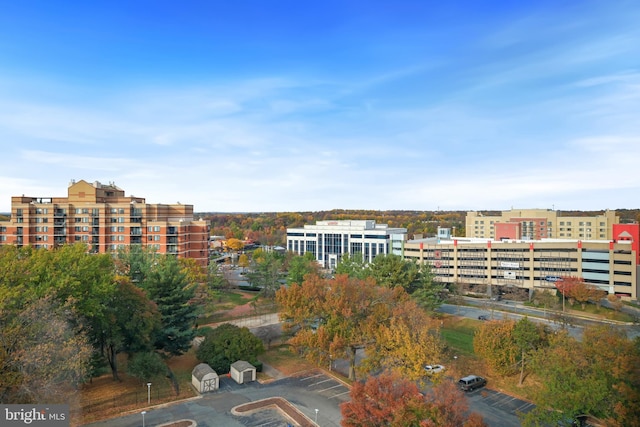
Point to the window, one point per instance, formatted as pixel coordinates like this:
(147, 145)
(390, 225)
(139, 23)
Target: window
(121, 219)
(77, 229)
(156, 228)
(121, 211)
(121, 238)
(149, 229)
(113, 210)
(121, 229)
(113, 229)
(156, 238)
(112, 238)
(85, 228)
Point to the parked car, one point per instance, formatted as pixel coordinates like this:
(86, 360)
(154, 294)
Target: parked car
(483, 317)
(471, 382)
(433, 369)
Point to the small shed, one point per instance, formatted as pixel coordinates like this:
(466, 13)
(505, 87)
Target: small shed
(204, 378)
(243, 372)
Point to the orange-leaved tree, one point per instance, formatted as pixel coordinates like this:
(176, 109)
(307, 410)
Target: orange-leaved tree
(334, 318)
(389, 399)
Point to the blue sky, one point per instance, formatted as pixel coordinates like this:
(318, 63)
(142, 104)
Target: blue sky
(258, 105)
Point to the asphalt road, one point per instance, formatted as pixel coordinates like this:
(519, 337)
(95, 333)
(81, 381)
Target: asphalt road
(513, 310)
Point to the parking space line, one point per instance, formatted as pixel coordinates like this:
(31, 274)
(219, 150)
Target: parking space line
(340, 394)
(311, 377)
(320, 382)
(325, 389)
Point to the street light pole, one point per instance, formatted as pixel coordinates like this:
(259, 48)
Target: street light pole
(148, 393)
(317, 415)
(143, 412)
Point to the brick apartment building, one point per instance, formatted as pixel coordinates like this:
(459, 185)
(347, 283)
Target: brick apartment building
(103, 218)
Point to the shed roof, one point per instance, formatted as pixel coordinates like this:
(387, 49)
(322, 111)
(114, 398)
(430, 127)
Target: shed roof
(201, 370)
(242, 365)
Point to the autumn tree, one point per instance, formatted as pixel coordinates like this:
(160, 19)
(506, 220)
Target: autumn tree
(407, 342)
(391, 400)
(243, 261)
(384, 400)
(596, 376)
(493, 341)
(566, 285)
(234, 244)
(42, 354)
(615, 302)
(335, 318)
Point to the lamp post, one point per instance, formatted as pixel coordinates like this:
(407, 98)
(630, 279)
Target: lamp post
(317, 415)
(148, 393)
(143, 412)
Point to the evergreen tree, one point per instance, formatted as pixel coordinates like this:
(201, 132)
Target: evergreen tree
(166, 284)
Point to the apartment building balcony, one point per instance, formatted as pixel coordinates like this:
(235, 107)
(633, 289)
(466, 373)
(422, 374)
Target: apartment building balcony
(59, 214)
(60, 233)
(95, 240)
(136, 231)
(172, 231)
(59, 223)
(59, 240)
(135, 240)
(172, 240)
(95, 231)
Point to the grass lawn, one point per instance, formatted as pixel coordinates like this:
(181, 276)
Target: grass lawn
(457, 333)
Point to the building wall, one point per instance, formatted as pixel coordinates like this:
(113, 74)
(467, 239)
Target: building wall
(539, 224)
(530, 265)
(329, 240)
(101, 217)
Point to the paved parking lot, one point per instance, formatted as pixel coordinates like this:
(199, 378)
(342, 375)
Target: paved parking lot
(326, 386)
(498, 409)
(308, 392)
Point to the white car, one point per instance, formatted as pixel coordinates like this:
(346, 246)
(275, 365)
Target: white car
(433, 369)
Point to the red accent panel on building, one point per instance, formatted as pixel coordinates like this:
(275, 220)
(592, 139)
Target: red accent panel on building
(628, 233)
(507, 230)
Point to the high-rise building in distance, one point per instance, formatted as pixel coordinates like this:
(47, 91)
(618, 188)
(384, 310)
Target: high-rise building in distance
(103, 218)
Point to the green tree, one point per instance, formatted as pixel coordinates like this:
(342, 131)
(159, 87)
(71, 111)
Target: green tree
(167, 286)
(429, 294)
(128, 323)
(353, 266)
(266, 273)
(300, 266)
(528, 337)
(227, 344)
(391, 270)
(147, 366)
